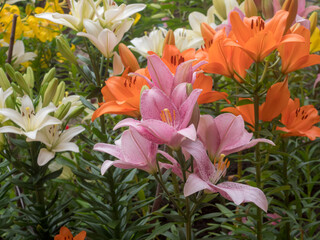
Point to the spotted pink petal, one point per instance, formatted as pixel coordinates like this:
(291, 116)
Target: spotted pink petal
(240, 193)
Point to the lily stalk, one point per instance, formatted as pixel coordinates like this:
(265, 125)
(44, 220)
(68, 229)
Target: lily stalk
(256, 98)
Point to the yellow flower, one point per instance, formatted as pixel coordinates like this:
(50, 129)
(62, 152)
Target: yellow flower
(315, 41)
(6, 18)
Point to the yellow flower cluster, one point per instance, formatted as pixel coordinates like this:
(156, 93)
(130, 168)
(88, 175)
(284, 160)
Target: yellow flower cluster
(30, 26)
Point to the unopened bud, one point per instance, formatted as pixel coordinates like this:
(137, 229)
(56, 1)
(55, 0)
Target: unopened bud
(65, 50)
(169, 40)
(4, 82)
(59, 93)
(10, 71)
(29, 77)
(77, 111)
(250, 8)
(17, 89)
(50, 92)
(267, 8)
(258, 4)
(49, 76)
(292, 7)
(62, 110)
(22, 83)
(313, 22)
(208, 34)
(127, 58)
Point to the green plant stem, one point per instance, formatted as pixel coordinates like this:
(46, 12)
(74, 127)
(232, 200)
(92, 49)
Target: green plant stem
(285, 180)
(96, 71)
(160, 181)
(188, 215)
(257, 150)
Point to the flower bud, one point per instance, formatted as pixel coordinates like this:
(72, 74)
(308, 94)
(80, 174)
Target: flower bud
(59, 93)
(65, 50)
(49, 76)
(267, 8)
(29, 77)
(77, 111)
(4, 82)
(22, 83)
(17, 89)
(127, 58)
(169, 39)
(313, 22)
(292, 7)
(62, 110)
(250, 8)
(10, 71)
(50, 92)
(258, 4)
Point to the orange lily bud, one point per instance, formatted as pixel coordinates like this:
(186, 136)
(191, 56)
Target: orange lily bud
(277, 99)
(208, 34)
(127, 58)
(250, 8)
(267, 8)
(313, 22)
(292, 7)
(169, 40)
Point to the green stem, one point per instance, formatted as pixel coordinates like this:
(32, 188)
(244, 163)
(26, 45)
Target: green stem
(96, 71)
(257, 149)
(285, 178)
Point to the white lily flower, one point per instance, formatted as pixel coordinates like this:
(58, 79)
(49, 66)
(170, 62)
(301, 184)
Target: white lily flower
(153, 42)
(111, 13)
(10, 1)
(105, 40)
(222, 8)
(80, 10)
(55, 141)
(19, 55)
(29, 121)
(195, 20)
(186, 39)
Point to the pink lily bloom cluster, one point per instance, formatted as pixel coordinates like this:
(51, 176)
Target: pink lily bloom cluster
(170, 116)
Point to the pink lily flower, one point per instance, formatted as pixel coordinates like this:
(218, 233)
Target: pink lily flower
(162, 78)
(225, 134)
(165, 120)
(132, 151)
(207, 175)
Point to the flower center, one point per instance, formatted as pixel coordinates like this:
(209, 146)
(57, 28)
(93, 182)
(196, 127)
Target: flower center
(257, 24)
(301, 114)
(167, 117)
(221, 168)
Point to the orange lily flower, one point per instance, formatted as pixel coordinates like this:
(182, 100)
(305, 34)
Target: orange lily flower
(246, 111)
(225, 60)
(66, 234)
(295, 55)
(277, 99)
(207, 95)
(257, 38)
(299, 121)
(122, 95)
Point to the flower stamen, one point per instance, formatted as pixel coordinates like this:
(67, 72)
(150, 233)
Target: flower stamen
(167, 117)
(221, 168)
